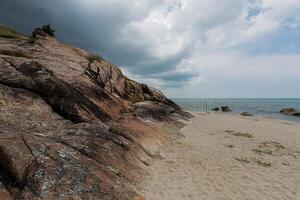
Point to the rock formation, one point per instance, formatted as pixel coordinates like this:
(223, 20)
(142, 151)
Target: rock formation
(290, 111)
(226, 109)
(72, 127)
(216, 109)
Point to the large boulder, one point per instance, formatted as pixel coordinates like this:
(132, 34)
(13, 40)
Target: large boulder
(290, 111)
(71, 128)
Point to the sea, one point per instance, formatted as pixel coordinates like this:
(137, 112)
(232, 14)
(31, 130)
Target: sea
(259, 107)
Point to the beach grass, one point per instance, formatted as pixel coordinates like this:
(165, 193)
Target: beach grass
(262, 151)
(263, 163)
(94, 57)
(7, 32)
(239, 134)
(271, 144)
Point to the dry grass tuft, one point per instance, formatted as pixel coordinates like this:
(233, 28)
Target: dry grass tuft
(14, 53)
(271, 144)
(263, 163)
(239, 134)
(7, 32)
(258, 161)
(93, 58)
(136, 98)
(262, 151)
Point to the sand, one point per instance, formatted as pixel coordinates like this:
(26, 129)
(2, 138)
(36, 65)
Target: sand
(227, 156)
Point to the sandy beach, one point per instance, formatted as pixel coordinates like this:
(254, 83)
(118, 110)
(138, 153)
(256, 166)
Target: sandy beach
(228, 156)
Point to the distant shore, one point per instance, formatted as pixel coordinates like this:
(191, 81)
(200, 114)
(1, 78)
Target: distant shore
(269, 108)
(228, 156)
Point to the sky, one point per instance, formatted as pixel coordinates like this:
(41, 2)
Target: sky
(186, 48)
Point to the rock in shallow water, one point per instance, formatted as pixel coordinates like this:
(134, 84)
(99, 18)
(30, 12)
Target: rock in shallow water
(226, 109)
(216, 109)
(290, 111)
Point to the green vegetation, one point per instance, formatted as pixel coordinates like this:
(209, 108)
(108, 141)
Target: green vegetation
(247, 135)
(263, 163)
(271, 144)
(93, 58)
(239, 134)
(258, 161)
(7, 32)
(268, 147)
(136, 98)
(46, 28)
(263, 151)
(13, 53)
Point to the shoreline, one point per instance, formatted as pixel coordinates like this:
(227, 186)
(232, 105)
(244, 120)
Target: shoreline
(229, 156)
(267, 117)
(255, 116)
(270, 107)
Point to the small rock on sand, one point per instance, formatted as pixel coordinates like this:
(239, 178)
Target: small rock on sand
(246, 114)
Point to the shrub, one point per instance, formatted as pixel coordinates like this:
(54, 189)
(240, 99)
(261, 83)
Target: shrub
(136, 98)
(46, 28)
(93, 58)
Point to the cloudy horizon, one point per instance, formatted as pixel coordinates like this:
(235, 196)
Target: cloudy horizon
(186, 48)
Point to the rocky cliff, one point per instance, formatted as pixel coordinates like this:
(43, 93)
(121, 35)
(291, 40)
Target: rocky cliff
(72, 126)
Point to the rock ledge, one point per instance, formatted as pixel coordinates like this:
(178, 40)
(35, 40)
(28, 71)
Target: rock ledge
(75, 129)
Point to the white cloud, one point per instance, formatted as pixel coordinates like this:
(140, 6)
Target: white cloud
(187, 43)
(232, 74)
(283, 9)
(215, 35)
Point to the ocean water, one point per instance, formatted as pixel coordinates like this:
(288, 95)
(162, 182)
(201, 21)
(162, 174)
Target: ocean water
(261, 107)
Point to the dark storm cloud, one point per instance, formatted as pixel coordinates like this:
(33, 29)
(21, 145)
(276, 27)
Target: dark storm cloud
(92, 29)
(96, 27)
